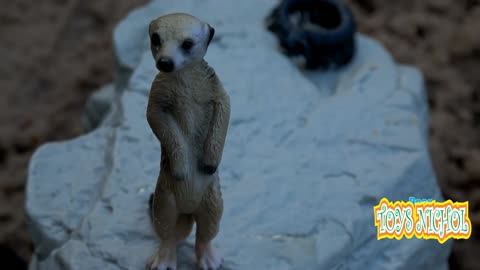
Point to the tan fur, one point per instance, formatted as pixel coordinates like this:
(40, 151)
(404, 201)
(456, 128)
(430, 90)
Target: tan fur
(188, 111)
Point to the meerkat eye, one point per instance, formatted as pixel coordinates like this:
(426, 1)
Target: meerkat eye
(187, 44)
(155, 39)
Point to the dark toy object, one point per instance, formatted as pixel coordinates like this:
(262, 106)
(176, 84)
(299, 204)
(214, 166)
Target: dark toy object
(10, 260)
(322, 31)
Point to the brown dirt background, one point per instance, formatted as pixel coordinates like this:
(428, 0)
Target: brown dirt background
(54, 53)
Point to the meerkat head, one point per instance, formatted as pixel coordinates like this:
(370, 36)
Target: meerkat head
(177, 40)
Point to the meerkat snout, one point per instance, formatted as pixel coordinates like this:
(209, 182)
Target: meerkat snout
(177, 40)
(165, 64)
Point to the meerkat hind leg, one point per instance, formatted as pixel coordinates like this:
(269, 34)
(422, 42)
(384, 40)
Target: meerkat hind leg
(164, 220)
(184, 226)
(208, 220)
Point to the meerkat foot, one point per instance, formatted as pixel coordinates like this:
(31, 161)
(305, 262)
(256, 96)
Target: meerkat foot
(207, 257)
(165, 258)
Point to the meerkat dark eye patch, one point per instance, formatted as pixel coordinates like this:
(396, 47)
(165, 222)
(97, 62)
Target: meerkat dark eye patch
(187, 44)
(155, 39)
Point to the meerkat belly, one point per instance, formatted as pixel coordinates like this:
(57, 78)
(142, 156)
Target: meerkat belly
(195, 122)
(189, 193)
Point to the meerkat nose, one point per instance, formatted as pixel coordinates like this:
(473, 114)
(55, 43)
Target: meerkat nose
(165, 64)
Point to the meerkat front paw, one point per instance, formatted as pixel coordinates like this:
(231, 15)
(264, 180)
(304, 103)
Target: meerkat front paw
(180, 176)
(207, 258)
(165, 258)
(181, 171)
(208, 164)
(207, 169)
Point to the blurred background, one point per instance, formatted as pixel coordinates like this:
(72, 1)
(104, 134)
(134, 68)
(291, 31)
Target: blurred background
(55, 53)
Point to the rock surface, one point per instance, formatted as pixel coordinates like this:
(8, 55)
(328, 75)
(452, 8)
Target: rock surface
(307, 156)
(98, 106)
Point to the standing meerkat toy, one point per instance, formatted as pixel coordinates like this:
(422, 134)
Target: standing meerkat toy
(188, 111)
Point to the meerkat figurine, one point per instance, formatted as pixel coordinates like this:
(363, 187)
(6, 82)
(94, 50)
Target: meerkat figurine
(188, 111)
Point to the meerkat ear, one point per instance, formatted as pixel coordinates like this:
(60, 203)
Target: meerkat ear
(210, 34)
(150, 27)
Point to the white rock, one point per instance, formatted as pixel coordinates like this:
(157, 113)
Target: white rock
(307, 156)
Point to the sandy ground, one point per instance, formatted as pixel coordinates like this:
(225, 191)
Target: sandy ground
(56, 52)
